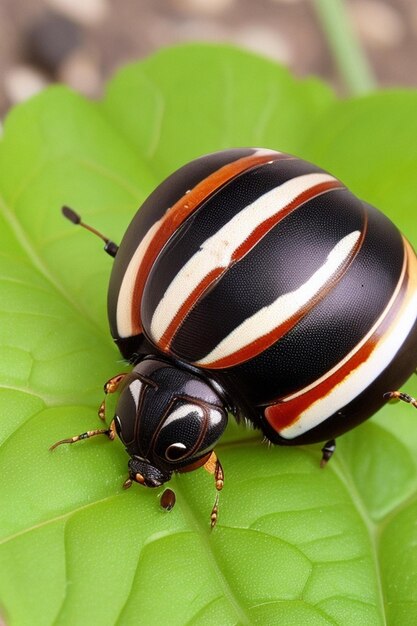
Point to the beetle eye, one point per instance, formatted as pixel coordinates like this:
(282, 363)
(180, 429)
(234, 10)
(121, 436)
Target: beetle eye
(175, 451)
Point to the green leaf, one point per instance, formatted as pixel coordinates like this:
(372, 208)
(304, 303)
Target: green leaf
(294, 544)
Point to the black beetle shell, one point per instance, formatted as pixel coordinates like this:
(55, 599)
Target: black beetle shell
(265, 272)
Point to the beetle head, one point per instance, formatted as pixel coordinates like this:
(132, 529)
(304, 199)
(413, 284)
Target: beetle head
(142, 472)
(169, 419)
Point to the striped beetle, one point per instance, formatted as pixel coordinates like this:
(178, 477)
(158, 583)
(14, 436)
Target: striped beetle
(253, 282)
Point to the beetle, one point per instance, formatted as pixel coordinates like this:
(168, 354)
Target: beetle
(255, 283)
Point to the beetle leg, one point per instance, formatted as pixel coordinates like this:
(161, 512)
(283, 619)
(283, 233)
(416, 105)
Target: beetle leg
(328, 451)
(213, 466)
(90, 433)
(110, 386)
(399, 395)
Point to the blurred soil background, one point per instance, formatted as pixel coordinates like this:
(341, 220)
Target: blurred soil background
(83, 42)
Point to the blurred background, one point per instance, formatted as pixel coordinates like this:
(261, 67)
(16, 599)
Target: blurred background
(83, 42)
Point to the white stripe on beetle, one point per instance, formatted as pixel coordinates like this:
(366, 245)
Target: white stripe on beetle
(182, 412)
(217, 251)
(359, 379)
(285, 307)
(135, 388)
(125, 298)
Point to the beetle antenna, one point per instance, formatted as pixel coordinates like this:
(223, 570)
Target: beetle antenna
(111, 248)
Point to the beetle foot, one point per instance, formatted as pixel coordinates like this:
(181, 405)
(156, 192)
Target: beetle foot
(328, 451)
